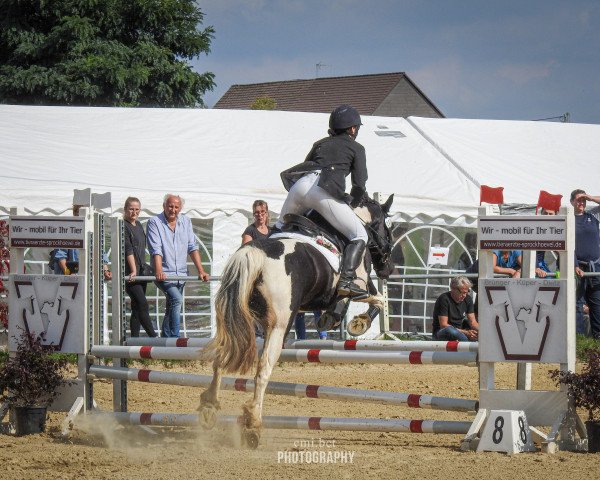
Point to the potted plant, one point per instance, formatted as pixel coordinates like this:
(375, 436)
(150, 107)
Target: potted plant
(4, 269)
(584, 389)
(30, 381)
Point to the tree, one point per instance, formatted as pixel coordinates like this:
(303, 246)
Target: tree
(263, 103)
(102, 53)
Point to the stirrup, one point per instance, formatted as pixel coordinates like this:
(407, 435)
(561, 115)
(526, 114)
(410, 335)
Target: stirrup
(351, 290)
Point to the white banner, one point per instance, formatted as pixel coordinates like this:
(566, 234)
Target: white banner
(52, 232)
(522, 232)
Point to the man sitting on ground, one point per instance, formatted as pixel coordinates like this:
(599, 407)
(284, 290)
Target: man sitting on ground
(453, 313)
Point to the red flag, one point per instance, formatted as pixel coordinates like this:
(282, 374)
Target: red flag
(491, 195)
(548, 201)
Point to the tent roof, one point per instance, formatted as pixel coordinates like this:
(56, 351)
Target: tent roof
(522, 157)
(218, 160)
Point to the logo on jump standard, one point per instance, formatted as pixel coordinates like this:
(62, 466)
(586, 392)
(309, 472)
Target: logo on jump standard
(529, 325)
(51, 318)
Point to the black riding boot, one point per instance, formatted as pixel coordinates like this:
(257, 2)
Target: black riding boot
(353, 255)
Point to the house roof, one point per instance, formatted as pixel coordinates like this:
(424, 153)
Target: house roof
(365, 92)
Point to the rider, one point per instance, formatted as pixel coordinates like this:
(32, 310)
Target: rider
(319, 183)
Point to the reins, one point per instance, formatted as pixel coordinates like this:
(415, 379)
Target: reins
(375, 240)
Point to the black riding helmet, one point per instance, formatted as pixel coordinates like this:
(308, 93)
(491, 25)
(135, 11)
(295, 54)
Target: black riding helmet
(343, 117)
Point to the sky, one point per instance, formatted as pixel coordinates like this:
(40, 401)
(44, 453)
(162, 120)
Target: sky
(492, 59)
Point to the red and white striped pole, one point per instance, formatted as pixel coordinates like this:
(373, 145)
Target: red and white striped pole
(167, 342)
(375, 345)
(156, 353)
(314, 356)
(297, 423)
(387, 345)
(401, 358)
(289, 389)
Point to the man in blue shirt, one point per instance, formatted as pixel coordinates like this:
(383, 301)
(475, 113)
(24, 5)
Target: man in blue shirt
(587, 259)
(541, 267)
(170, 240)
(66, 261)
(508, 262)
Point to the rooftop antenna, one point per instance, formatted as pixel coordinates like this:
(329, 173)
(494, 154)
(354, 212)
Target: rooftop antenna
(563, 118)
(318, 68)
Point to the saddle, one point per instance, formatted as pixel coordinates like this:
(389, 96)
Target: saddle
(314, 225)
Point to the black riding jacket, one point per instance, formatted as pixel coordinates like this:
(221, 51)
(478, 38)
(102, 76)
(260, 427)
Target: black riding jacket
(335, 157)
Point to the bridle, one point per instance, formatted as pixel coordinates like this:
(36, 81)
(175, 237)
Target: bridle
(379, 247)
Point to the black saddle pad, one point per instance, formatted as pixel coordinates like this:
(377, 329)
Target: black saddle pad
(314, 224)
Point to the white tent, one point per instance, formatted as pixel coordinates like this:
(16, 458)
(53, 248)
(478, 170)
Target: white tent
(222, 160)
(523, 157)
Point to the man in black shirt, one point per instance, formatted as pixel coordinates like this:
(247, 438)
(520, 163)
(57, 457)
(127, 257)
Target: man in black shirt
(453, 313)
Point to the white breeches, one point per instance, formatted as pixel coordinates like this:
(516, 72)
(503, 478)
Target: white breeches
(305, 194)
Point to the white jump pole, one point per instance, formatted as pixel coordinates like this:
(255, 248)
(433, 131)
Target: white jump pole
(289, 389)
(297, 423)
(156, 353)
(313, 356)
(170, 342)
(371, 345)
(387, 345)
(398, 358)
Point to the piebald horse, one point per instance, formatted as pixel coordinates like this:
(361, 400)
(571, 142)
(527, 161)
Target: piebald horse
(266, 283)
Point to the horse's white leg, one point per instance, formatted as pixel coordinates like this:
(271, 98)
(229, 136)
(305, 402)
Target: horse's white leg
(209, 399)
(253, 408)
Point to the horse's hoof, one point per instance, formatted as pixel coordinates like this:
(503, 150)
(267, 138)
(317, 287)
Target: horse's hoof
(328, 321)
(207, 416)
(250, 438)
(358, 325)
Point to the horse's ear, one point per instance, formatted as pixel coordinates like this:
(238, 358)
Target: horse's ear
(388, 204)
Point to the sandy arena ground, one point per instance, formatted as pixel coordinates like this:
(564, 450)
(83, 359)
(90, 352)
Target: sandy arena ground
(103, 451)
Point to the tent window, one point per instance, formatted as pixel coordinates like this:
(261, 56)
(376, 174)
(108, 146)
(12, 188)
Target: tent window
(390, 133)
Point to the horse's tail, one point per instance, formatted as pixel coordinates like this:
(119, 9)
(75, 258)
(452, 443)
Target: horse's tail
(235, 342)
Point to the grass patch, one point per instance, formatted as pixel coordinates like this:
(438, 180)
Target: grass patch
(584, 343)
(70, 358)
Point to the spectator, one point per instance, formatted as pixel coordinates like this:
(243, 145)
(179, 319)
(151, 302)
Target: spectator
(453, 313)
(300, 325)
(257, 230)
(508, 262)
(135, 257)
(541, 267)
(66, 262)
(587, 259)
(170, 240)
(260, 228)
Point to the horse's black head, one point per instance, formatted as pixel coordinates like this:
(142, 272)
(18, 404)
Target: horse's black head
(380, 237)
